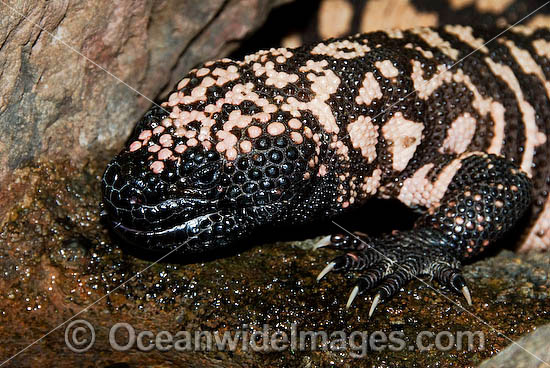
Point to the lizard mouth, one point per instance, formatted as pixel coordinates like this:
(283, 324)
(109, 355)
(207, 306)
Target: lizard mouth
(185, 236)
(158, 232)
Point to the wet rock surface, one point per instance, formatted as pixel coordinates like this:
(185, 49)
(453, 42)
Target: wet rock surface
(57, 260)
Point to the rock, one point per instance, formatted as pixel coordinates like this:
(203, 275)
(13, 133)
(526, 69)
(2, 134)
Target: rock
(530, 351)
(75, 76)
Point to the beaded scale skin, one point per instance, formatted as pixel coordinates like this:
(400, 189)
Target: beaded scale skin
(295, 135)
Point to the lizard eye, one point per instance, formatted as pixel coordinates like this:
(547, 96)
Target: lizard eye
(207, 174)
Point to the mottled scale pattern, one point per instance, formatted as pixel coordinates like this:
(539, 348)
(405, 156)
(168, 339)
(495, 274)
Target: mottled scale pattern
(434, 117)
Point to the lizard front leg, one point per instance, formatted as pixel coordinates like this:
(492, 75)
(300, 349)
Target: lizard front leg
(486, 196)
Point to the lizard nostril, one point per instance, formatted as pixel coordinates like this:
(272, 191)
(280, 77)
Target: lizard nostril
(132, 196)
(135, 200)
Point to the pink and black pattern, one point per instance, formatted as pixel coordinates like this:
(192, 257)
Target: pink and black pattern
(294, 135)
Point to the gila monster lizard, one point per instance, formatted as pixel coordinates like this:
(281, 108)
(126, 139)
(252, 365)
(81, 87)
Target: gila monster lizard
(295, 135)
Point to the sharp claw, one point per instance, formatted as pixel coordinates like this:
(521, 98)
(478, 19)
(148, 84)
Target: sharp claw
(352, 296)
(322, 243)
(326, 270)
(374, 304)
(467, 295)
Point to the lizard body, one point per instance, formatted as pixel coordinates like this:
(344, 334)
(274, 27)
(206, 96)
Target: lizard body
(437, 118)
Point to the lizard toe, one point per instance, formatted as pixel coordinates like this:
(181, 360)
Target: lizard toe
(346, 242)
(452, 278)
(350, 261)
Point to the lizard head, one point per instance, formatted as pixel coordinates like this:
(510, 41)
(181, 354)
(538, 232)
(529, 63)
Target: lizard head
(208, 167)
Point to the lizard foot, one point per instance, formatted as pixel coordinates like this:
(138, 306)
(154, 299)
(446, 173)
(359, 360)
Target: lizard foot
(388, 263)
